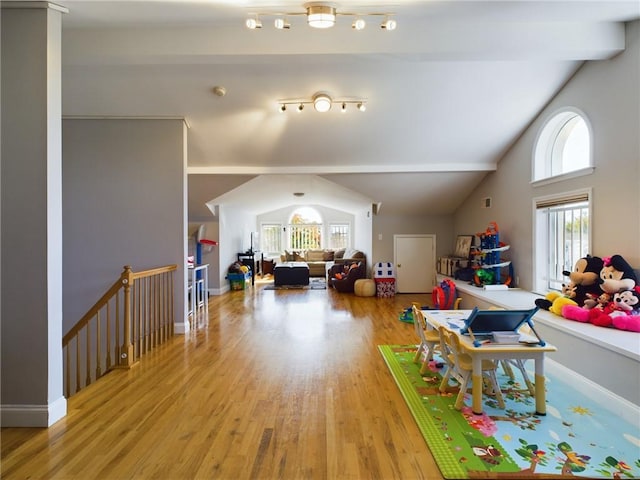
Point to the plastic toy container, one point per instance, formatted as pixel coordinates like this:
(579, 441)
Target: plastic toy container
(239, 281)
(506, 337)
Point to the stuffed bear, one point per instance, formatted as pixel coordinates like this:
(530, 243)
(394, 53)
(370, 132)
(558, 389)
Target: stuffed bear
(584, 280)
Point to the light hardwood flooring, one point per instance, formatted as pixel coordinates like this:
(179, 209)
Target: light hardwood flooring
(276, 384)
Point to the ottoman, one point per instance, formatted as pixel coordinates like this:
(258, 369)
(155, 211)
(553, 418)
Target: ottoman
(291, 273)
(364, 287)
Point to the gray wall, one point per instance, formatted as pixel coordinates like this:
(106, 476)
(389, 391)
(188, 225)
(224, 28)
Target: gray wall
(31, 217)
(124, 186)
(607, 92)
(388, 225)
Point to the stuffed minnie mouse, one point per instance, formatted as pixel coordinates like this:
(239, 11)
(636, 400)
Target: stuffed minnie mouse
(617, 281)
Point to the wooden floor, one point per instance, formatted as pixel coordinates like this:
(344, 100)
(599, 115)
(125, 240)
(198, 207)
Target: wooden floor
(277, 384)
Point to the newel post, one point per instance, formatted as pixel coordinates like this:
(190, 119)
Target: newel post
(126, 352)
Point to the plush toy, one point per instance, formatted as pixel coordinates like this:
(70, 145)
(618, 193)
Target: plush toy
(623, 304)
(584, 280)
(585, 276)
(617, 280)
(617, 275)
(630, 323)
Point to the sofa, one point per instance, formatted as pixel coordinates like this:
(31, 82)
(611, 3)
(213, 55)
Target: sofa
(320, 260)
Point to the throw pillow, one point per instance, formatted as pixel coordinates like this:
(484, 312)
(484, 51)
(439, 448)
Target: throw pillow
(297, 257)
(288, 256)
(327, 255)
(339, 254)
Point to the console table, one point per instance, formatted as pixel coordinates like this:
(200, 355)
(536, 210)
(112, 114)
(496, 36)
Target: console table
(254, 261)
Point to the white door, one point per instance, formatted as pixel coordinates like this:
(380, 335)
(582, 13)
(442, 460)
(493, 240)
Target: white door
(415, 259)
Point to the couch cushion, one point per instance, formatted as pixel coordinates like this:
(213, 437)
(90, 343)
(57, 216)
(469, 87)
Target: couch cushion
(327, 255)
(314, 255)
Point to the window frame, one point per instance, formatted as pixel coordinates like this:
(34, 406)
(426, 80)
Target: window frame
(545, 146)
(276, 225)
(330, 231)
(541, 261)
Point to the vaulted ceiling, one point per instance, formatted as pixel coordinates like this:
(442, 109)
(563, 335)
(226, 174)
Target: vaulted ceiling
(447, 92)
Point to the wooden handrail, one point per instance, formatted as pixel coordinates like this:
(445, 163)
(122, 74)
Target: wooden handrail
(117, 332)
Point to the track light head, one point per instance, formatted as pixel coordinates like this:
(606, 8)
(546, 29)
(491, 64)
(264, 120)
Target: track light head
(343, 108)
(283, 108)
(358, 24)
(362, 106)
(389, 24)
(253, 23)
(301, 107)
(281, 24)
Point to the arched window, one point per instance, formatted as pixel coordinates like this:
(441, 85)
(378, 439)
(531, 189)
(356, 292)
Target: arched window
(563, 146)
(305, 229)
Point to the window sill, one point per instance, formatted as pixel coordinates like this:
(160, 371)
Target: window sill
(565, 176)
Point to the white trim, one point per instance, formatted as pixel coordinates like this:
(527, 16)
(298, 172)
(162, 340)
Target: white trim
(546, 136)
(565, 176)
(33, 415)
(327, 169)
(606, 399)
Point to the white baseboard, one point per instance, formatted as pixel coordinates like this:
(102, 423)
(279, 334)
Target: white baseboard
(622, 407)
(33, 415)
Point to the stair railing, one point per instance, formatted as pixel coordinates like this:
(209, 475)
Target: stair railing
(135, 315)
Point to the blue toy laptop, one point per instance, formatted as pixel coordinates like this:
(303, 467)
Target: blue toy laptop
(485, 322)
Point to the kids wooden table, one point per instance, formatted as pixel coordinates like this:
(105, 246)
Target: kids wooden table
(453, 320)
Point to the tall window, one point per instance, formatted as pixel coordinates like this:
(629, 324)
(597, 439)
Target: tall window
(305, 229)
(271, 238)
(563, 146)
(339, 235)
(562, 237)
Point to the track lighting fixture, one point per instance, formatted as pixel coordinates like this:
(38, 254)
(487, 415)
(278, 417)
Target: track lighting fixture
(321, 15)
(322, 102)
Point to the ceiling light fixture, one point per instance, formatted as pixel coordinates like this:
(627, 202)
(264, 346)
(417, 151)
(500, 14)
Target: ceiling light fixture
(321, 15)
(322, 102)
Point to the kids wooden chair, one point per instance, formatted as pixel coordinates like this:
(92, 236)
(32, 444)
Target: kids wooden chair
(429, 338)
(459, 367)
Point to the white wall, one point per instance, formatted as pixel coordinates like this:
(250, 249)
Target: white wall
(123, 202)
(234, 227)
(607, 92)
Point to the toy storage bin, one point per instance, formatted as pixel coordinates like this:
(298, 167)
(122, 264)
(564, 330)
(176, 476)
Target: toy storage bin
(239, 281)
(384, 275)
